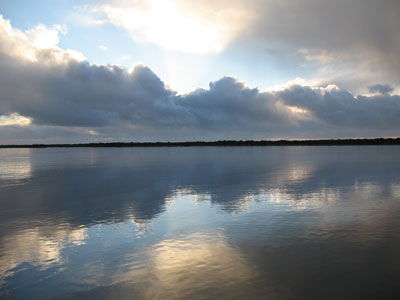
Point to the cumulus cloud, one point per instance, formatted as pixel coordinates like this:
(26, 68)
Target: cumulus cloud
(341, 108)
(35, 45)
(72, 100)
(44, 37)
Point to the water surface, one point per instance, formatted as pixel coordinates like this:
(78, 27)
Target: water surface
(200, 223)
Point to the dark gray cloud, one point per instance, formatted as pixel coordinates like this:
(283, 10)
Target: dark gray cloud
(380, 88)
(116, 103)
(77, 94)
(228, 103)
(341, 108)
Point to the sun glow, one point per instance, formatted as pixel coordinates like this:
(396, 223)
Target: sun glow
(164, 23)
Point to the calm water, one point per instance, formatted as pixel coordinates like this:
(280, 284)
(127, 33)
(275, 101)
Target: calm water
(200, 223)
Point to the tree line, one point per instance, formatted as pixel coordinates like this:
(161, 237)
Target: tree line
(320, 142)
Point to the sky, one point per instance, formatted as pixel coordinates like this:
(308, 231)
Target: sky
(181, 70)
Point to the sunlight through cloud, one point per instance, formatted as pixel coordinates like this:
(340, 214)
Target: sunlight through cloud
(166, 24)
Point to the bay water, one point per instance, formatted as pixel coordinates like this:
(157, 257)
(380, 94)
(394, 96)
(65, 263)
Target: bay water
(200, 223)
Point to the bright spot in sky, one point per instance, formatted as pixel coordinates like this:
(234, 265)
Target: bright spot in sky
(14, 119)
(164, 23)
(298, 110)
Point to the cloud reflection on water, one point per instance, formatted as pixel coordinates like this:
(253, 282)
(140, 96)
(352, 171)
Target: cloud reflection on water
(40, 247)
(146, 220)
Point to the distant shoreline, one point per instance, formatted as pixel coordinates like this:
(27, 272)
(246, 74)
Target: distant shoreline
(321, 142)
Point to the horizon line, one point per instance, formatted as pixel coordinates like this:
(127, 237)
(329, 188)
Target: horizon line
(282, 142)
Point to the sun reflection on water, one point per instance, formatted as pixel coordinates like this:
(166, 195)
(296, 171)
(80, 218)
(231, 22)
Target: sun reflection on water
(181, 267)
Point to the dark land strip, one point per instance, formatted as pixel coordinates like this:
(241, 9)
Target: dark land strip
(322, 142)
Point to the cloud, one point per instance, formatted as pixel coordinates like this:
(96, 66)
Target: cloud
(44, 37)
(380, 89)
(341, 38)
(341, 108)
(34, 45)
(14, 119)
(67, 99)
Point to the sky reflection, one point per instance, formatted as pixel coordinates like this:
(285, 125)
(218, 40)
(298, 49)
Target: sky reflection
(186, 222)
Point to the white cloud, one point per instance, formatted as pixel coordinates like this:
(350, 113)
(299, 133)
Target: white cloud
(104, 48)
(34, 44)
(44, 37)
(14, 119)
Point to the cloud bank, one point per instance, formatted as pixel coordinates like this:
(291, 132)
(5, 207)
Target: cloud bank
(52, 95)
